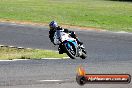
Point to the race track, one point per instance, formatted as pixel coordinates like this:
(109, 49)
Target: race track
(108, 52)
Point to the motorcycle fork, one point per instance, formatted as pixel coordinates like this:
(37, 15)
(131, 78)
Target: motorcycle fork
(79, 51)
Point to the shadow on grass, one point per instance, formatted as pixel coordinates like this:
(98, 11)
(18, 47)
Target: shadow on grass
(121, 0)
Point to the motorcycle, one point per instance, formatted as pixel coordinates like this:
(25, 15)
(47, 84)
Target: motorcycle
(69, 45)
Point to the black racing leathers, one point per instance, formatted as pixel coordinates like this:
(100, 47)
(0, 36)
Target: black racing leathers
(71, 33)
(52, 32)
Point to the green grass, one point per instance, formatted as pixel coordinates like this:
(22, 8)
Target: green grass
(14, 53)
(105, 14)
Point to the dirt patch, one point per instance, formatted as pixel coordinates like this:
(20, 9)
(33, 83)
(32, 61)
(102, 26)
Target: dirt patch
(46, 24)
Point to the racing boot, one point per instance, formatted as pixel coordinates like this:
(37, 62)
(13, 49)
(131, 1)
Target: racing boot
(80, 43)
(73, 35)
(60, 51)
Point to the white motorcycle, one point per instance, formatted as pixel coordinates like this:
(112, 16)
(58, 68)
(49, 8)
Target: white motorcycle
(69, 45)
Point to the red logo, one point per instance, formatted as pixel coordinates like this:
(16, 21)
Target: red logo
(83, 78)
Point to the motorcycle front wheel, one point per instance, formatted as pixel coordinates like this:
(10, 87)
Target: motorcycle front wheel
(70, 50)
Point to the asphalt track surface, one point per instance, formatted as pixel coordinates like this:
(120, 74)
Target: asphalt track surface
(108, 52)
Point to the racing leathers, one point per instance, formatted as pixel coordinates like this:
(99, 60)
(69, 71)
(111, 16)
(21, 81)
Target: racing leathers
(71, 33)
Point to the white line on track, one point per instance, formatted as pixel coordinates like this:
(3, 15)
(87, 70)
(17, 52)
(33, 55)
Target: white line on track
(4, 60)
(51, 58)
(15, 60)
(30, 59)
(50, 80)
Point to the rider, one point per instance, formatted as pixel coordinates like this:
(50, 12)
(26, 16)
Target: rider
(54, 26)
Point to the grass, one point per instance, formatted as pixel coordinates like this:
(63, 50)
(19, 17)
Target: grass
(105, 14)
(7, 53)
